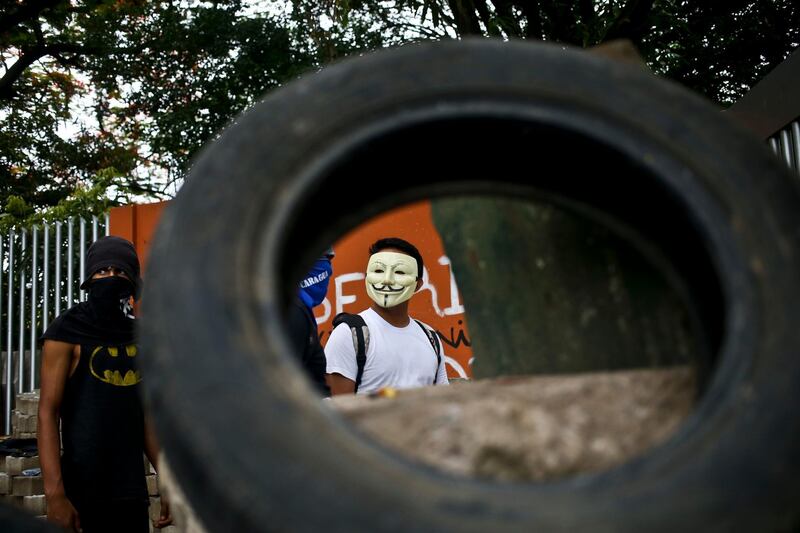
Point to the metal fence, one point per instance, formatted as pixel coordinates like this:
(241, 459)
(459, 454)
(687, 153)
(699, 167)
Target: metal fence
(42, 268)
(786, 144)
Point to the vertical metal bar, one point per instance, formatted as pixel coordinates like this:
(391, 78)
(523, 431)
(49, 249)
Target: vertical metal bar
(786, 145)
(34, 302)
(45, 278)
(69, 262)
(1, 322)
(82, 252)
(9, 332)
(21, 337)
(108, 225)
(57, 294)
(773, 142)
(796, 143)
(94, 228)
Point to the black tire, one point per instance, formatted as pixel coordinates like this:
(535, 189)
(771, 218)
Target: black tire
(256, 451)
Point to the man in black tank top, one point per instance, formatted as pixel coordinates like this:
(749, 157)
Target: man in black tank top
(90, 382)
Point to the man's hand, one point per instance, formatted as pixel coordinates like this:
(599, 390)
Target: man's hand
(165, 517)
(61, 511)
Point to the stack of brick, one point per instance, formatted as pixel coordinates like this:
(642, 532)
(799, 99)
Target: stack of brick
(24, 418)
(21, 484)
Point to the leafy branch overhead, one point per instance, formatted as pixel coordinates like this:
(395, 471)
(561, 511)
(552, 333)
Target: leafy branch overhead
(135, 88)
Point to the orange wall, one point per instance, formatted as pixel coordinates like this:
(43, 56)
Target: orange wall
(438, 303)
(137, 223)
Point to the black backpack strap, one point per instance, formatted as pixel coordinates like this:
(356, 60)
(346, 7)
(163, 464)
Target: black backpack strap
(437, 348)
(360, 333)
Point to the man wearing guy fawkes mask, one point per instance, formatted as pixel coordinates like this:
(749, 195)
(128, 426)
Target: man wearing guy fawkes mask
(302, 324)
(401, 352)
(90, 383)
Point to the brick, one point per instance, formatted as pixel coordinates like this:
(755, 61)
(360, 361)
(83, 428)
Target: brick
(28, 403)
(152, 485)
(5, 483)
(148, 468)
(23, 423)
(15, 465)
(35, 505)
(155, 508)
(13, 501)
(27, 485)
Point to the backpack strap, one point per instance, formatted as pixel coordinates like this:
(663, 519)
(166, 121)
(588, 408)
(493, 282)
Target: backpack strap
(360, 333)
(437, 348)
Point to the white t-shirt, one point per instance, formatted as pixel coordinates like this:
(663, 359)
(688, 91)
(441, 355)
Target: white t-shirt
(396, 357)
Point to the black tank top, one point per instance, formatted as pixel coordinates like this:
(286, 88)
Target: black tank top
(102, 425)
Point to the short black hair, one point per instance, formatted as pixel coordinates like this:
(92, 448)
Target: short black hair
(402, 245)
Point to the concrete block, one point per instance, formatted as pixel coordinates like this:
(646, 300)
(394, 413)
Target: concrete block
(22, 423)
(5, 483)
(36, 505)
(27, 485)
(152, 485)
(13, 501)
(155, 508)
(15, 465)
(28, 403)
(24, 435)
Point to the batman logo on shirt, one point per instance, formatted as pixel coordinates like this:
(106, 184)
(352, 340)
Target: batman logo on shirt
(115, 365)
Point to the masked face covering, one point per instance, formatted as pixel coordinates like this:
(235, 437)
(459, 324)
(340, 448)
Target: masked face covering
(391, 278)
(110, 298)
(314, 286)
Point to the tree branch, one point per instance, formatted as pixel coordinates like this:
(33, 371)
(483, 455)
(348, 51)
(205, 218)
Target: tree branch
(25, 12)
(561, 25)
(29, 57)
(491, 27)
(533, 29)
(506, 19)
(464, 15)
(631, 22)
(588, 21)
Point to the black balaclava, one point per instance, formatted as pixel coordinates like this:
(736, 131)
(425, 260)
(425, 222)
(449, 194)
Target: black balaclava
(112, 251)
(106, 317)
(110, 298)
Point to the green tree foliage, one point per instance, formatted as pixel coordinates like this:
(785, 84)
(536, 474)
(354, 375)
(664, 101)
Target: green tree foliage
(719, 49)
(124, 92)
(127, 88)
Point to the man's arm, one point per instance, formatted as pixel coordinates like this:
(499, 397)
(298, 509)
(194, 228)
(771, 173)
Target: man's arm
(340, 384)
(151, 450)
(340, 355)
(302, 330)
(56, 365)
